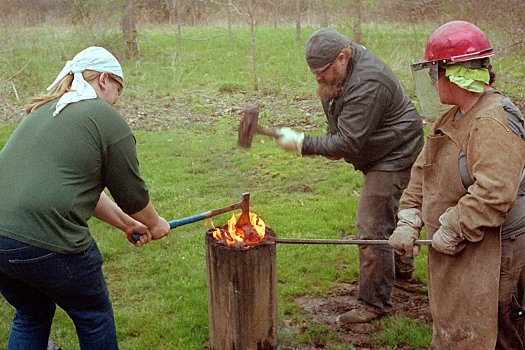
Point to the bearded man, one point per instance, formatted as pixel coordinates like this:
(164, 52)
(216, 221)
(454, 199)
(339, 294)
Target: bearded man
(373, 125)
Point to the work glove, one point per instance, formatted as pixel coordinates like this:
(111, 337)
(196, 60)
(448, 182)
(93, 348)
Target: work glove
(406, 232)
(289, 140)
(448, 239)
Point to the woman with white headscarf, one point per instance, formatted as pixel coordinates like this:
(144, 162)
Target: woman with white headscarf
(70, 147)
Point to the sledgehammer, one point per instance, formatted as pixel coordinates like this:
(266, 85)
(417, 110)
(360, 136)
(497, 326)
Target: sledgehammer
(244, 205)
(249, 126)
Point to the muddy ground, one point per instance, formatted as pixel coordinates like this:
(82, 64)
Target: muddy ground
(409, 300)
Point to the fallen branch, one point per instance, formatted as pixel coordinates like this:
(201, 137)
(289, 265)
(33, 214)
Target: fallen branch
(15, 74)
(16, 92)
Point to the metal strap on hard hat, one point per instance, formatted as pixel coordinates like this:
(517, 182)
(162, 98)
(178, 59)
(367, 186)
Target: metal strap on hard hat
(467, 55)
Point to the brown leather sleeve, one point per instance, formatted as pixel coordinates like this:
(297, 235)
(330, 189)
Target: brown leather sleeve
(496, 157)
(413, 195)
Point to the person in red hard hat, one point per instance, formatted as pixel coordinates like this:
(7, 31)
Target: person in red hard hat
(467, 189)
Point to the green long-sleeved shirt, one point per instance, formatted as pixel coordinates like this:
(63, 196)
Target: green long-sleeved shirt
(53, 169)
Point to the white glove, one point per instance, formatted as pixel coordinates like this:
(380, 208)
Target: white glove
(448, 239)
(406, 232)
(289, 140)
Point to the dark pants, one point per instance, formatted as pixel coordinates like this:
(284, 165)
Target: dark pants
(511, 334)
(376, 219)
(34, 280)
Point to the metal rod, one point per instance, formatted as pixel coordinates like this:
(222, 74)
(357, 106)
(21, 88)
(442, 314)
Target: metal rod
(343, 241)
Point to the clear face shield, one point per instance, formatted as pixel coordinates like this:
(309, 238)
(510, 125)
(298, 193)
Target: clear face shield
(425, 77)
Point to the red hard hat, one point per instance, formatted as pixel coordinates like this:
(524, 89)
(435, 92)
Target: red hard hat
(457, 41)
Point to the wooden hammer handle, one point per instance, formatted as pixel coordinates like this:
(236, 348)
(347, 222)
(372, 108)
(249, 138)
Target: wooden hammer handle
(268, 132)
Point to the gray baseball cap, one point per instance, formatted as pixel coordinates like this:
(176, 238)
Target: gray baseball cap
(323, 47)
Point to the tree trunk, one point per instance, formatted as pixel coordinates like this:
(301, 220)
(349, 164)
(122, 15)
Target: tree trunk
(175, 11)
(242, 296)
(358, 20)
(129, 29)
(229, 6)
(251, 14)
(324, 17)
(297, 20)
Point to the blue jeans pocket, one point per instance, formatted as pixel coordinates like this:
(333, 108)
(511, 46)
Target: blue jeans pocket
(42, 267)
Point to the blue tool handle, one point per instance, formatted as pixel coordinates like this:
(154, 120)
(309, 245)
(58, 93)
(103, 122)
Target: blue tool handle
(188, 220)
(177, 223)
(136, 237)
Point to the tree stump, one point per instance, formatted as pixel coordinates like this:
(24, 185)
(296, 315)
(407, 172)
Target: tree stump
(242, 296)
(129, 28)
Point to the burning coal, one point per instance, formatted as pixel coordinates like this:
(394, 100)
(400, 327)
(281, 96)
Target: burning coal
(244, 236)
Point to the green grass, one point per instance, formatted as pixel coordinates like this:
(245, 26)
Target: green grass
(193, 164)
(401, 332)
(211, 71)
(159, 291)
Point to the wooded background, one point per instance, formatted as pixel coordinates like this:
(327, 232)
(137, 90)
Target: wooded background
(508, 16)
(188, 74)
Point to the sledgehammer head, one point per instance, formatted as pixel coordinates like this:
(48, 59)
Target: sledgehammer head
(248, 127)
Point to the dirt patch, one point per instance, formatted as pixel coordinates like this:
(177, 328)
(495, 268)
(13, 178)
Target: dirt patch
(164, 113)
(409, 300)
(154, 114)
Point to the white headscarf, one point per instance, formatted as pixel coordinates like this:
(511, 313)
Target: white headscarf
(93, 58)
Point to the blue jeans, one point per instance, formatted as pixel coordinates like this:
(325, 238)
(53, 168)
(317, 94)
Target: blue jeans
(34, 280)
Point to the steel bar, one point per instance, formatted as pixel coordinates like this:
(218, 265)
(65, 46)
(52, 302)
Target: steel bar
(343, 241)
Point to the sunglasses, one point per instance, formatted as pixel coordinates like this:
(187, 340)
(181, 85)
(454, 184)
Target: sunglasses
(320, 71)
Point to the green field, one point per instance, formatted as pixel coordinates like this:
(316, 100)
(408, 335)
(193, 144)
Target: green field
(182, 103)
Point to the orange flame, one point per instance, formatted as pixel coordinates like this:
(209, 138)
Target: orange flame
(232, 235)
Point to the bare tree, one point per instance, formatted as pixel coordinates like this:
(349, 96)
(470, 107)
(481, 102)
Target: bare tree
(129, 28)
(297, 20)
(229, 13)
(358, 20)
(275, 10)
(250, 10)
(174, 17)
(198, 7)
(324, 17)
(251, 14)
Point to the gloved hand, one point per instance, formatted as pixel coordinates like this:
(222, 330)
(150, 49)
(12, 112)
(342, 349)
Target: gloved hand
(406, 232)
(289, 140)
(402, 240)
(448, 239)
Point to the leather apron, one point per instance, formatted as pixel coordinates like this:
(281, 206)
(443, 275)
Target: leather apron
(462, 288)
